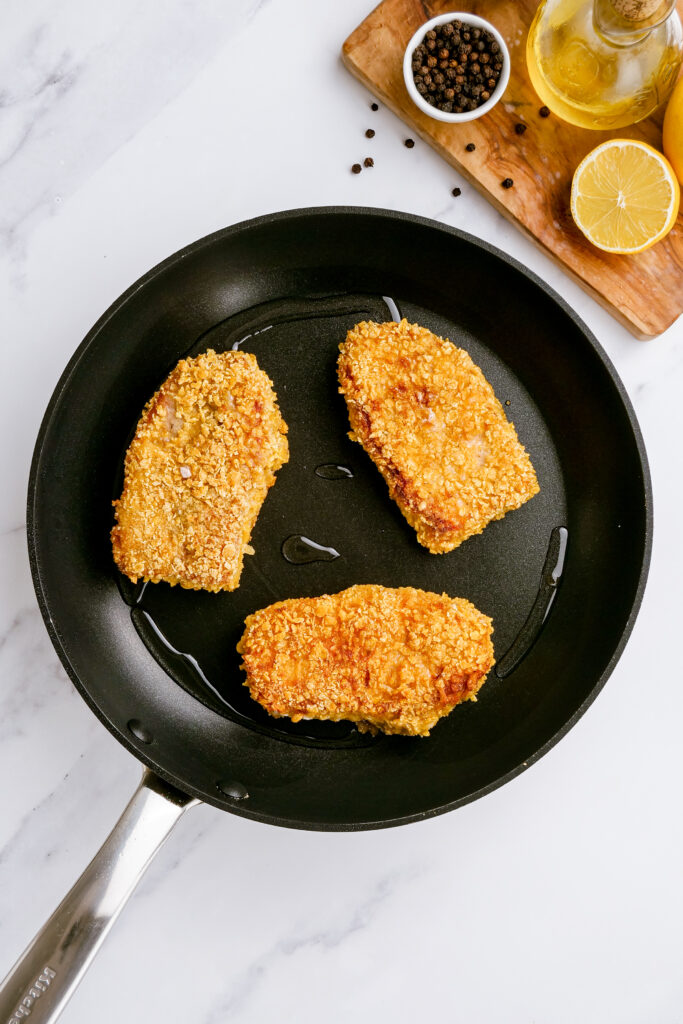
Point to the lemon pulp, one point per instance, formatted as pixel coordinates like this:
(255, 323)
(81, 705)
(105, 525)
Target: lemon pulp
(625, 196)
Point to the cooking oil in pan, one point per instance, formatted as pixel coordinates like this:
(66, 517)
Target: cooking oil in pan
(331, 471)
(551, 575)
(142, 617)
(300, 550)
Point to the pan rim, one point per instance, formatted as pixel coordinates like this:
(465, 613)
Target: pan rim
(298, 214)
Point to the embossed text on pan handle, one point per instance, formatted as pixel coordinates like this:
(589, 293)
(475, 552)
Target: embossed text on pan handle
(41, 982)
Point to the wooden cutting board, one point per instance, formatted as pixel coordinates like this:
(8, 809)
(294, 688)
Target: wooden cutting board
(644, 292)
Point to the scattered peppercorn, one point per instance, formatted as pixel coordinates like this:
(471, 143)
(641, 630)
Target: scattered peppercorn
(544, 112)
(370, 134)
(520, 128)
(470, 147)
(507, 182)
(456, 192)
(409, 143)
(356, 168)
(368, 162)
(456, 67)
(374, 106)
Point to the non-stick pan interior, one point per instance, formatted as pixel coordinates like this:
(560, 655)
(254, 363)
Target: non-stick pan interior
(560, 577)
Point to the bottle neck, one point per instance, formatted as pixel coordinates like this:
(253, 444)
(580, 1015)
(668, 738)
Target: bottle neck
(625, 22)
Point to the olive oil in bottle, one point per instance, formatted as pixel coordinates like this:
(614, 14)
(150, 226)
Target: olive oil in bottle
(604, 63)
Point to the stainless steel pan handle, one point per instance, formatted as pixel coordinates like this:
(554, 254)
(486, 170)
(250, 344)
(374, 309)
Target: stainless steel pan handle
(45, 976)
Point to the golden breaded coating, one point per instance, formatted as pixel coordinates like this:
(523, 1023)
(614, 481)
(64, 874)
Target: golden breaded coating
(197, 472)
(397, 660)
(428, 418)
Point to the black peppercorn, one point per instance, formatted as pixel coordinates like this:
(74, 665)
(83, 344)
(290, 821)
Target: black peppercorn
(456, 192)
(520, 128)
(368, 162)
(409, 143)
(544, 112)
(507, 182)
(374, 106)
(356, 168)
(457, 67)
(370, 134)
(470, 147)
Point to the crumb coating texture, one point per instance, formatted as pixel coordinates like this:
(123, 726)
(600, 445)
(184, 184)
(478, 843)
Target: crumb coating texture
(395, 660)
(205, 452)
(428, 418)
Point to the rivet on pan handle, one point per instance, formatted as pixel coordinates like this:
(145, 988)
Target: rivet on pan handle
(44, 978)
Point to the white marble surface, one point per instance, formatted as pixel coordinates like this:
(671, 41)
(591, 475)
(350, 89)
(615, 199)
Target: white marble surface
(126, 131)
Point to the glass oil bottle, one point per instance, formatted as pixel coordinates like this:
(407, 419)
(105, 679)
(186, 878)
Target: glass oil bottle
(604, 63)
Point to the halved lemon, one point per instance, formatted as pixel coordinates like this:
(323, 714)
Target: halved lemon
(625, 196)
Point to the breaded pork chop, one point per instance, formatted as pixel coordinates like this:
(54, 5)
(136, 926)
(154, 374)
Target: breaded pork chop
(197, 472)
(396, 660)
(428, 418)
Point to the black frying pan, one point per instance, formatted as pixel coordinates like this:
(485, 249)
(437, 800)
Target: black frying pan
(562, 577)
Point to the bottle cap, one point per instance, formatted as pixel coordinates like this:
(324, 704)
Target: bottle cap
(636, 10)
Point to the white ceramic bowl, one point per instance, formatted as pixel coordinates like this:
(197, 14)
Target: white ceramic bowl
(474, 22)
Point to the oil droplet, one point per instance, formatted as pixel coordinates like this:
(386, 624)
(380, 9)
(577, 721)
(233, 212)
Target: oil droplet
(553, 567)
(331, 471)
(300, 550)
(393, 308)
